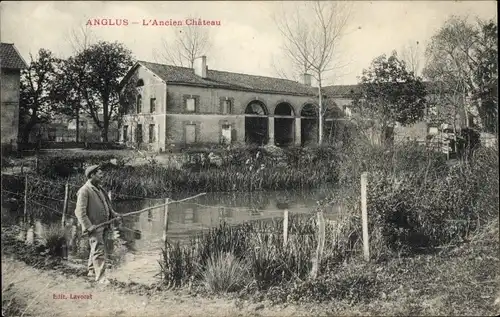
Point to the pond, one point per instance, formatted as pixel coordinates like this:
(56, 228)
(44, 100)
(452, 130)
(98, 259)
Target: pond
(143, 233)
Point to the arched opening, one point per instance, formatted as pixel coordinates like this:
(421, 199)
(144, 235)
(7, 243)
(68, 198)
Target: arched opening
(140, 83)
(309, 124)
(283, 126)
(256, 123)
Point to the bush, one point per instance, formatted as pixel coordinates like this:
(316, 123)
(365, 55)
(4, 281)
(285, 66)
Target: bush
(416, 199)
(225, 273)
(66, 165)
(55, 239)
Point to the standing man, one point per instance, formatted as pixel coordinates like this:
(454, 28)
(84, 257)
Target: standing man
(93, 207)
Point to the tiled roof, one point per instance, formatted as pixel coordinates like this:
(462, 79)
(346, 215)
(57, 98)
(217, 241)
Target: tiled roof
(222, 79)
(10, 58)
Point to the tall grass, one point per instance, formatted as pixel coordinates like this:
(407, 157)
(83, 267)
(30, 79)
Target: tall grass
(225, 273)
(259, 245)
(55, 239)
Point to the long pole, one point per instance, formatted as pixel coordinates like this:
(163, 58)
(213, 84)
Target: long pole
(65, 206)
(285, 227)
(364, 216)
(26, 201)
(149, 208)
(165, 220)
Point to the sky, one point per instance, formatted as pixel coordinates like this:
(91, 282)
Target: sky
(247, 40)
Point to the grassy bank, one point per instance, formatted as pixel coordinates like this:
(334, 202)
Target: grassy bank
(457, 280)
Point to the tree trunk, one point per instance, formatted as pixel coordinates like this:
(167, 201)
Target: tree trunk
(77, 125)
(320, 112)
(105, 121)
(27, 130)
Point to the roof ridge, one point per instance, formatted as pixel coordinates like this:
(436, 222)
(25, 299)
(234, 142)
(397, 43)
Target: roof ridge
(159, 64)
(223, 71)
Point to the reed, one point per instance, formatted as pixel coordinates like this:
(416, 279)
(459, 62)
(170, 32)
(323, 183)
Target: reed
(55, 239)
(258, 244)
(225, 273)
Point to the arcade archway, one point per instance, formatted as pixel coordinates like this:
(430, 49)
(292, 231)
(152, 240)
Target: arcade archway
(256, 123)
(284, 124)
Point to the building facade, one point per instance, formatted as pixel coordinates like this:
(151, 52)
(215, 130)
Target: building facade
(177, 106)
(11, 64)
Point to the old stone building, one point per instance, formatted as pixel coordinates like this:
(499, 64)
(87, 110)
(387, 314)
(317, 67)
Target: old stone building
(177, 106)
(11, 63)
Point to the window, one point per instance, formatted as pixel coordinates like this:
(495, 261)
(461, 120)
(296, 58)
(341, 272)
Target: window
(226, 134)
(191, 104)
(125, 133)
(152, 105)
(152, 138)
(138, 134)
(227, 107)
(190, 130)
(347, 111)
(139, 104)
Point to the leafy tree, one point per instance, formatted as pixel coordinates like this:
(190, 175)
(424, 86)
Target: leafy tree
(105, 65)
(486, 75)
(389, 94)
(37, 80)
(462, 57)
(67, 90)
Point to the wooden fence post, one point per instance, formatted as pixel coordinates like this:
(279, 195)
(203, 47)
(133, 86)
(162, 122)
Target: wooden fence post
(285, 227)
(364, 216)
(165, 220)
(26, 201)
(65, 206)
(321, 245)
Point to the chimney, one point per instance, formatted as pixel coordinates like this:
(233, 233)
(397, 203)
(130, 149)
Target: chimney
(200, 66)
(307, 79)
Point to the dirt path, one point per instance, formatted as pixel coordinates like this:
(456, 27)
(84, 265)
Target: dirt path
(43, 293)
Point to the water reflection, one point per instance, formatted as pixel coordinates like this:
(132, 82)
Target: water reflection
(190, 217)
(142, 233)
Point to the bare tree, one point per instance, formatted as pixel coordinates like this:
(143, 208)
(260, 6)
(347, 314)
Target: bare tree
(411, 54)
(311, 37)
(80, 39)
(188, 43)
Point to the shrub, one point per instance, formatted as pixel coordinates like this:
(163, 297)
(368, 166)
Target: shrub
(55, 240)
(65, 165)
(225, 273)
(416, 199)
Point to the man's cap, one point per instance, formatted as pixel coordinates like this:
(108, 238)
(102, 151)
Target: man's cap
(91, 169)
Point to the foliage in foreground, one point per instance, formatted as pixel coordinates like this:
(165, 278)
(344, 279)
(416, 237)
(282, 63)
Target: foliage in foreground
(417, 202)
(259, 245)
(55, 239)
